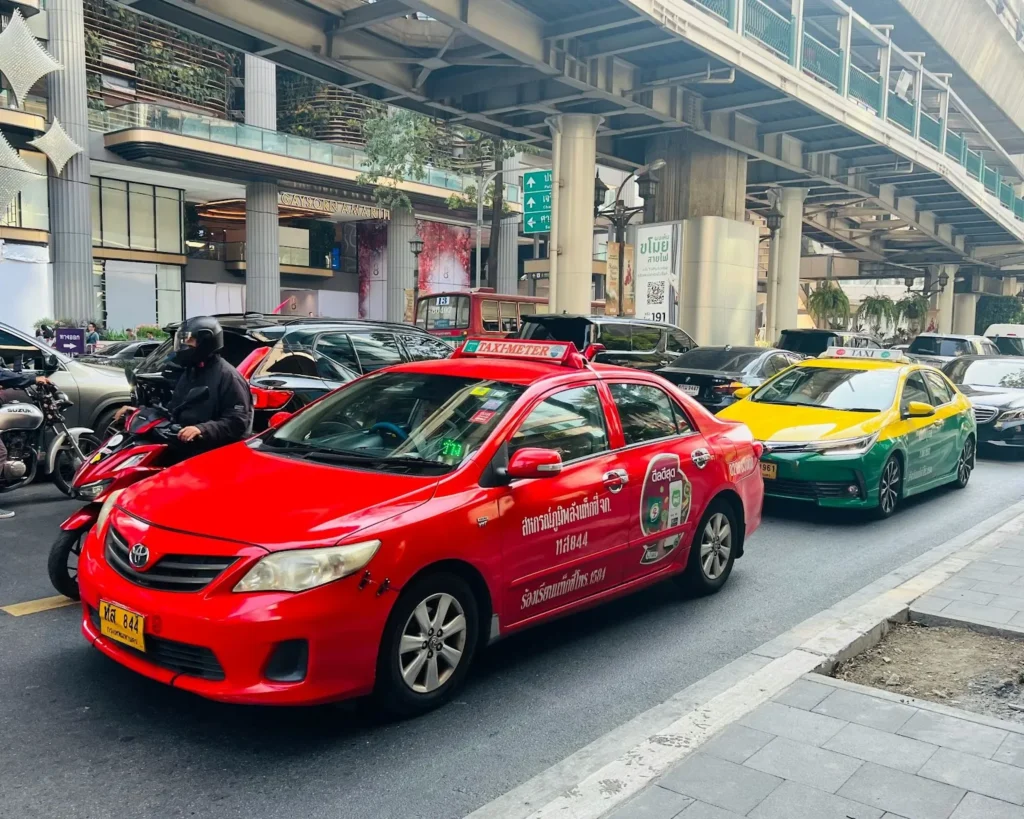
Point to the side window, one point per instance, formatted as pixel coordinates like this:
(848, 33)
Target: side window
(646, 412)
(424, 348)
(679, 342)
(509, 317)
(775, 364)
(338, 348)
(615, 337)
(295, 362)
(646, 339)
(914, 390)
(528, 308)
(941, 393)
(375, 351)
(489, 320)
(14, 350)
(570, 422)
(988, 348)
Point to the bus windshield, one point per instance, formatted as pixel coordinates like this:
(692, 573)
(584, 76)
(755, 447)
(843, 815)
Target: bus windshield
(443, 313)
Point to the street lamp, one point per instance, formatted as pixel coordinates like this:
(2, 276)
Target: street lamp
(938, 286)
(620, 216)
(773, 218)
(416, 246)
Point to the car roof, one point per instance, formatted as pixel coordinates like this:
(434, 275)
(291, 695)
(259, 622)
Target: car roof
(960, 336)
(810, 331)
(732, 348)
(1012, 330)
(988, 357)
(512, 371)
(545, 317)
(246, 322)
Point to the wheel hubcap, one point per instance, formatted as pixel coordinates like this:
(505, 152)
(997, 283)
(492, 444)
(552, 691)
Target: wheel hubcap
(966, 463)
(715, 546)
(433, 642)
(889, 490)
(73, 555)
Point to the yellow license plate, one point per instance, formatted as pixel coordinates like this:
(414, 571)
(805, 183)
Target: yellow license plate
(769, 471)
(122, 625)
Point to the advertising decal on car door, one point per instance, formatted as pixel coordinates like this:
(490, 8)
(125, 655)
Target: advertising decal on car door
(664, 505)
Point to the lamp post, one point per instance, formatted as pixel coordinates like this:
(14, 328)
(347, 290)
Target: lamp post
(620, 216)
(416, 246)
(774, 219)
(939, 286)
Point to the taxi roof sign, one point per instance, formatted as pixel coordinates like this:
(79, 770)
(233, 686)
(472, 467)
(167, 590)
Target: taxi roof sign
(554, 352)
(895, 356)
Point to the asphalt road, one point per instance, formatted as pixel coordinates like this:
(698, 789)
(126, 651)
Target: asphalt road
(83, 737)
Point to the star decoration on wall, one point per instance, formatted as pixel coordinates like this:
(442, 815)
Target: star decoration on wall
(23, 61)
(57, 145)
(14, 174)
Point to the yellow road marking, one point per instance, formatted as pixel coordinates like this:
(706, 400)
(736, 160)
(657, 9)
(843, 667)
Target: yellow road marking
(36, 606)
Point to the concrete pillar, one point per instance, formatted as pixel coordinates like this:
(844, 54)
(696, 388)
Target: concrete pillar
(508, 256)
(771, 326)
(401, 262)
(577, 168)
(262, 251)
(787, 310)
(944, 299)
(70, 206)
(700, 178)
(965, 306)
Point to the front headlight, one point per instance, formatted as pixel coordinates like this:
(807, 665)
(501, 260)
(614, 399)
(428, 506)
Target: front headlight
(92, 490)
(1012, 415)
(301, 569)
(135, 460)
(846, 447)
(107, 508)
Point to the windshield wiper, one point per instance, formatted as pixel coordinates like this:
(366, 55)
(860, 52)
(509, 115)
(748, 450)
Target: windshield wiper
(348, 456)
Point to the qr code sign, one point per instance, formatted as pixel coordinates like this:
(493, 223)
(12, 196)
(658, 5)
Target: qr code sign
(655, 292)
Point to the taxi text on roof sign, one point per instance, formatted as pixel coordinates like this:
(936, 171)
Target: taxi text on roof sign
(863, 352)
(532, 350)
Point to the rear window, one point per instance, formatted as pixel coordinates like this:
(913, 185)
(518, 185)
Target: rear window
(443, 313)
(812, 344)
(940, 345)
(721, 360)
(574, 330)
(1009, 346)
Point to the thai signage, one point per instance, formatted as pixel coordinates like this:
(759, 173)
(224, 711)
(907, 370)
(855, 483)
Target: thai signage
(655, 271)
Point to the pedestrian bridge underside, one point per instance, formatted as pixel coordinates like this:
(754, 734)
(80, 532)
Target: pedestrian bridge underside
(900, 172)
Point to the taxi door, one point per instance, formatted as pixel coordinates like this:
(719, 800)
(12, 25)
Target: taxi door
(563, 536)
(665, 457)
(947, 414)
(922, 436)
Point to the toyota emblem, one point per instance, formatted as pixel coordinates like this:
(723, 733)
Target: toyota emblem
(138, 556)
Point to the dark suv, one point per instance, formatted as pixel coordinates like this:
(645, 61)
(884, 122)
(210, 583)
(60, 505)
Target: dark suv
(290, 362)
(627, 342)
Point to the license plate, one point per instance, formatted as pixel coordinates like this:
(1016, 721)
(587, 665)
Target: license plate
(122, 625)
(769, 471)
(690, 389)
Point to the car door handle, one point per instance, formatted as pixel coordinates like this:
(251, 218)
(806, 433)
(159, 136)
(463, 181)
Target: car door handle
(615, 480)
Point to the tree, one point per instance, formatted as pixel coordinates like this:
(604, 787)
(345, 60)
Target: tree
(913, 308)
(877, 311)
(399, 145)
(998, 310)
(829, 305)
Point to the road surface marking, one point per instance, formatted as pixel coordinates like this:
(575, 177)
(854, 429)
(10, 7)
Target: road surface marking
(36, 606)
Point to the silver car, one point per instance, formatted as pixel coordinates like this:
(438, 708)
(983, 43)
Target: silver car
(97, 392)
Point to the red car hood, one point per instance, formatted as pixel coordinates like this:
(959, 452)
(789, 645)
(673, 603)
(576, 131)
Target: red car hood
(272, 501)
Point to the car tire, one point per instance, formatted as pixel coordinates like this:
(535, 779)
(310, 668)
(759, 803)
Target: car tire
(965, 464)
(66, 465)
(63, 575)
(890, 488)
(105, 426)
(423, 677)
(713, 550)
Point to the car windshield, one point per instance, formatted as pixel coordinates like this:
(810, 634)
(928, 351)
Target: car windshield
(988, 372)
(571, 329)
(398, 420)
(724, 360)
(1009, 345)
(939, 345)
(808, 343)
(832, 388)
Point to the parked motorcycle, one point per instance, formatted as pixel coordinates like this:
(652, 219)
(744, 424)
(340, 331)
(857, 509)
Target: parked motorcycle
(146, 447)
(35, 433)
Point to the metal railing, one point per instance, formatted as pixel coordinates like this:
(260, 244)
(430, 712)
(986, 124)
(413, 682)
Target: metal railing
(955, 145)
(975, 167)
(901, 112)
(768, 27)
(865, 88)
(822, 61)
(931, 130)
(720, 8)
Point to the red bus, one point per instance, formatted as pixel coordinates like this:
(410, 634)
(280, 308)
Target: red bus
(480, 313)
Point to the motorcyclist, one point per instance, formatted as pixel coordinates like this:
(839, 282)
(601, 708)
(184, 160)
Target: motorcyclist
(13, 380)
(226, 415)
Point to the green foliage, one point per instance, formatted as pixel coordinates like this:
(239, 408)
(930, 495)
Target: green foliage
(113, 335)
(467, 199)
(998, 310)
(877, 311)
(143, 329)
(162, 66)
(49, 322)
(829, 305)
(398, 147)
(913, 308)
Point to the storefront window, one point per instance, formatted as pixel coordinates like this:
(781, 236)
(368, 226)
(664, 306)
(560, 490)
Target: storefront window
(136, 216)
(141, 217)
(30, 208)
(168, 294)
(168, 220)
(114, 212)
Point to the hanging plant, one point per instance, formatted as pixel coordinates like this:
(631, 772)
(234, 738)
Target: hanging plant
(829, 305)
(913, 308)
(877, 311)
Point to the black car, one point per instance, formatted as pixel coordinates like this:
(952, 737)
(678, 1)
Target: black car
(995, 385)
(936, 349)
(627, 342)
(120, 353)
(813, 343)
(713, 374)
(290, 362)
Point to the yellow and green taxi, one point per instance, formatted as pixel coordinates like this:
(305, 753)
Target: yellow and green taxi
(859, 428)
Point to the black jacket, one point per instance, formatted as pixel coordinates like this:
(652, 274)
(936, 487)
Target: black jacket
(11, 380)
(226, 415)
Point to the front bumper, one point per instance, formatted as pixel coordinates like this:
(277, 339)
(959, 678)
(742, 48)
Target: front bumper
(1008, 434)
(827, 480)
(218, 644)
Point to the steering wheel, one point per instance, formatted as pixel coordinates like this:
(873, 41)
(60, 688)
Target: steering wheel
(391, 429)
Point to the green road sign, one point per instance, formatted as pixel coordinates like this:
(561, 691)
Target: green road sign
(537, 202)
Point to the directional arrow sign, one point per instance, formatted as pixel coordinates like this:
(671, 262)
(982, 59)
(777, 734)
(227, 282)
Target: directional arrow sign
(537, 205)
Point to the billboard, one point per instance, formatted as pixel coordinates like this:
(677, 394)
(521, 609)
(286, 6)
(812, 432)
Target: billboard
(657, 271)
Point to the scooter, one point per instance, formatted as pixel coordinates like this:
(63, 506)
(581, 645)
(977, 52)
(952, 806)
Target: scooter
(142, 450)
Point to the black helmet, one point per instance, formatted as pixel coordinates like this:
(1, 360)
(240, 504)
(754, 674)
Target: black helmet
(208, 335)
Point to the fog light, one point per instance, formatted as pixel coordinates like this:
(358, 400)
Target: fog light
(288, 662)
(853, 489)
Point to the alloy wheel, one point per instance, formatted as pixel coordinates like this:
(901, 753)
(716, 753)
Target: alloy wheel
(433, 643)
(715, 546)
(73, 556)
(965, 465)
(889, 487)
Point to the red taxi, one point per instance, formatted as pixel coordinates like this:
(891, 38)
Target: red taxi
(375, 540)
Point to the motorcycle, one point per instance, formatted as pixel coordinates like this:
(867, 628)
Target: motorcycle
(35, 432)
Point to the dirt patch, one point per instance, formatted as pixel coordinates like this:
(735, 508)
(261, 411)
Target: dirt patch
(953, 666)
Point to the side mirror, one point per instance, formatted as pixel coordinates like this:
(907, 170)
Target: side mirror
(279, 419)
(918, 409)
(533, 463)
(593, 351)
(52, 365)
(743, 392)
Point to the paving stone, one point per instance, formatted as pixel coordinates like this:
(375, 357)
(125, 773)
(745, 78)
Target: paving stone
(991, 574)
(1003, 602)
(975, 613)
(863, 709)
(901, 793)
(720, 783)
(1011, 751)
(737, 743)
(958, 582)
(796, 761)
(804, 694)
(999, 568)
(1017, 621)
(1004, 588)
(892, 816)
(792, 723)
(794, 801)
(882, 748)
(976, 806)
(995, 779)
(969, 595)
(930, 604)
(958, 734)
(702, 810)
(653, 802)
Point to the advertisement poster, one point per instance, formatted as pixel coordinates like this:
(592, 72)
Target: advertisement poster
(444, 262)
(655, 272)
(665, 499)
(611, 297)
(373, 270)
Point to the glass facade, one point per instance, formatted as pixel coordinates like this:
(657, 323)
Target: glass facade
(135, 216)
(31, 207)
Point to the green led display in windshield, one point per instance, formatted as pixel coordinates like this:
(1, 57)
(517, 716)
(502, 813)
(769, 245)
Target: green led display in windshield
(451, 448)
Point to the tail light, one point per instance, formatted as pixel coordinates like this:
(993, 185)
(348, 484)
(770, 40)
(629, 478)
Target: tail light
(269, 399)
(758, 449)
(252, 361)
(728, 389)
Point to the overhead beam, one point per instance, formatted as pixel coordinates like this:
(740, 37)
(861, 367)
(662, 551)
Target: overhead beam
(581, 24)
(367, 15)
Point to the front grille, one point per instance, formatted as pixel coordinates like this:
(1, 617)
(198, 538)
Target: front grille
(983, 415)
(180, 573)
(181, 658)
(811, 490)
